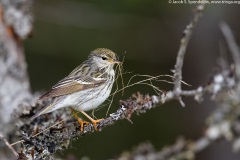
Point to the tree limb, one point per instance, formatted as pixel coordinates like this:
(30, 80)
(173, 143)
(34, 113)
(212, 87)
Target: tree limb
(182, 50)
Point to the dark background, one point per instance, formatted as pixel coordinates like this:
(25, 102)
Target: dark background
(147, 34)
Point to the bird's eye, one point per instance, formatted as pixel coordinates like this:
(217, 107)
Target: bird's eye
(104, 58)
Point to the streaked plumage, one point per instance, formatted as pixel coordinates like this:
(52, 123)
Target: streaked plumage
(86, 87)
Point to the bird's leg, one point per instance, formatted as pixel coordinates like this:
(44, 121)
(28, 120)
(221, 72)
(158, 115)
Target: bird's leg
(80, 121)
(95, 122)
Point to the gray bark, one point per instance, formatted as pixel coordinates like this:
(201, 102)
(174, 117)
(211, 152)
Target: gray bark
(15, 25)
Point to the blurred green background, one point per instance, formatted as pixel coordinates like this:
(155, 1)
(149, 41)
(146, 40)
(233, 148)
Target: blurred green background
(147, 34)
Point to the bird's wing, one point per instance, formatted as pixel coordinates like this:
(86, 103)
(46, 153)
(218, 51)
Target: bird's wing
(70, 85)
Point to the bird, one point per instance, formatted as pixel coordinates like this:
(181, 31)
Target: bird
(85, 88)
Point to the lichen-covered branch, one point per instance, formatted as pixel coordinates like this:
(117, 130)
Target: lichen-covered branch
(223, 124)
(58, 137)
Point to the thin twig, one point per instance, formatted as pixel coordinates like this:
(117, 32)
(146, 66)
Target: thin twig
(8, 144)
(182, 49)
(232, 45)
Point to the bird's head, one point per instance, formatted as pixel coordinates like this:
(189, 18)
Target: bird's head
(103, 57)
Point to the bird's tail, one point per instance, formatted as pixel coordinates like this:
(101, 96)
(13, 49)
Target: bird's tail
(42, 111)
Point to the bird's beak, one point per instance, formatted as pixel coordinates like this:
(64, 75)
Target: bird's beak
(114, 61)
(117, 61)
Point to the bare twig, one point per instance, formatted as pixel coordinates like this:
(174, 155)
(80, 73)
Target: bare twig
(232, 45)
(8, 144)
(182, 50)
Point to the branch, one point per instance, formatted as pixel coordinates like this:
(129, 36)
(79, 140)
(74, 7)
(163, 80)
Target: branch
(223, 124)
(48, 138)
(234, 48)
(182, 50)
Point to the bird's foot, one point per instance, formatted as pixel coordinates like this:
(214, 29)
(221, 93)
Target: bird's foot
(95, 123)
(82, 123)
